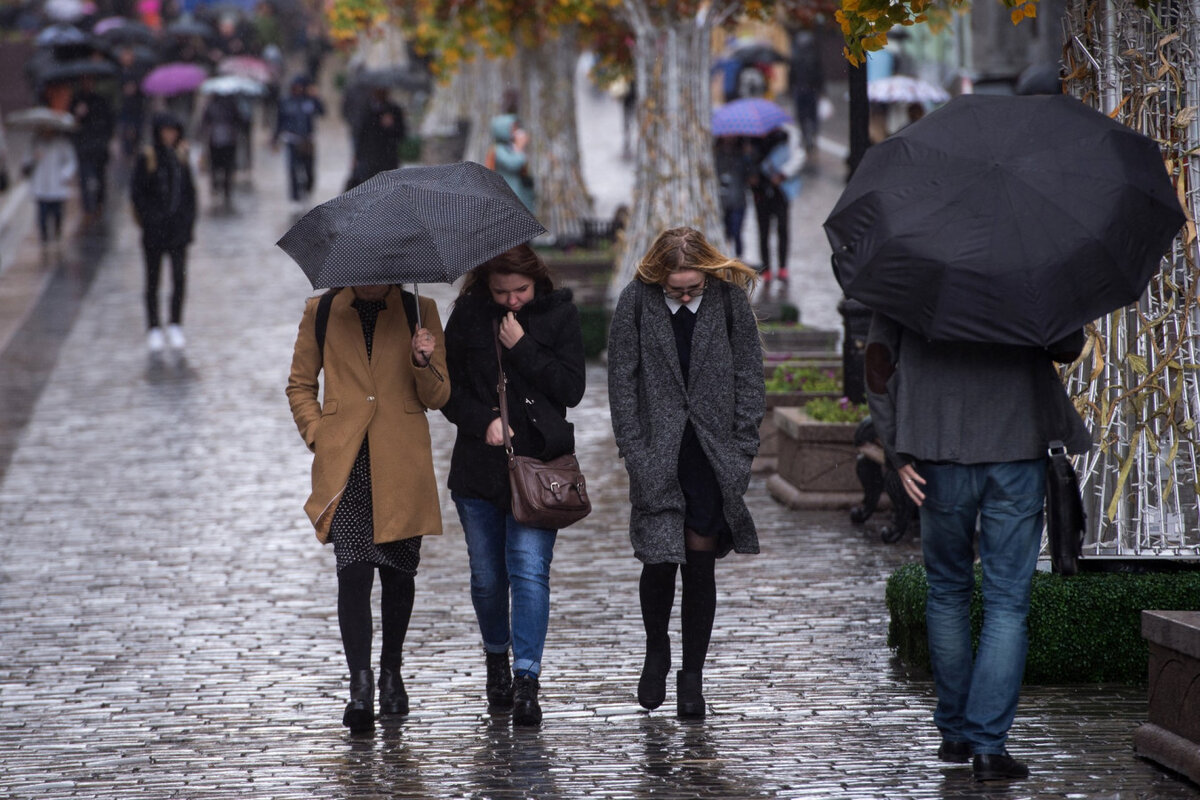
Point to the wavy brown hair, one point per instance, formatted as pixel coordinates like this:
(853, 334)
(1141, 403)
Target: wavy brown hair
(519, 260)
(686, 248)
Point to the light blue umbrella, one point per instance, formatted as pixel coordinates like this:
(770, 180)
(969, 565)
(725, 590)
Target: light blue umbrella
(752, 116)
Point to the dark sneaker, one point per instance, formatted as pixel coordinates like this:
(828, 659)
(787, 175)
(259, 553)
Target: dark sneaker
(526, 710)
(499, 682)
(955, 752)
(999, 767)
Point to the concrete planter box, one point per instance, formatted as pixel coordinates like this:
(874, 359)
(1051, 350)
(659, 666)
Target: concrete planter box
(768, 431)
(815, 462)
(1172, 736)
(587, 275)
(798, 339)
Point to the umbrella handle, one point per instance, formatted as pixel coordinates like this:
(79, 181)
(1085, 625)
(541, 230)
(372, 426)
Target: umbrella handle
(417, 295)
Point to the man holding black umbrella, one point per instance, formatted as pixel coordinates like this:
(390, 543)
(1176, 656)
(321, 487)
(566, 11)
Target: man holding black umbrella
(96, 124)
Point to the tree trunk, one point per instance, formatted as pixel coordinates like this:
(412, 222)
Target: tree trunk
(488, 79)
(675, 176)
(549, 116)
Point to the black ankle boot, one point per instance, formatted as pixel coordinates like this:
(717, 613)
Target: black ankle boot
(499, 682)
(393, 700)
(689, 698)
(526, 710)
(360, 711)
(652, 687)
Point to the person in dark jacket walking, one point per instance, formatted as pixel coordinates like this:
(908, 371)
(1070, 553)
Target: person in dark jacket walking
(164, 202)
(686, 392)
(513, 298)
(220, 122)
(296, 127)
(378, 132)
(966, 428)
(96, 124)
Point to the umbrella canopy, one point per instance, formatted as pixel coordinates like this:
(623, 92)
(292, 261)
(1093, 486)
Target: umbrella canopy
(174, 78)
(67, 10)
(233, 84)
(904, 89)
(419, 224)
(748, 50)
(60, 34)
(115, 31)
(187, 27)
(393, 77)
(247, 67)
(41, 118)
(751, 116)
(1003, 219)
(55, 71)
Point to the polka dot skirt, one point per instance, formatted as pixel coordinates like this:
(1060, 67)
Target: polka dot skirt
(353, 528)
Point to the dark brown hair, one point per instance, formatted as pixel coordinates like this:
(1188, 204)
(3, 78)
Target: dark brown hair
(519, 260)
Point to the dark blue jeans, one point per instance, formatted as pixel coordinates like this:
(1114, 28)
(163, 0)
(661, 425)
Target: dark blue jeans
(508, 556)
(977, 693)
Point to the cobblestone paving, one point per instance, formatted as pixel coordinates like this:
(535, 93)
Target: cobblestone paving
(169, 627)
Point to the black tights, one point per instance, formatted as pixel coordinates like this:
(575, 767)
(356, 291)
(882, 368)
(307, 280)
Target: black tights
(354, 613)
(657, 591)
(154, 256)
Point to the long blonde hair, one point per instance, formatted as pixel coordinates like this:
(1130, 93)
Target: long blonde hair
(686, 248)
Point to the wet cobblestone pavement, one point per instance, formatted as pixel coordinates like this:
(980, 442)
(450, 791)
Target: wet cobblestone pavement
(168, 620)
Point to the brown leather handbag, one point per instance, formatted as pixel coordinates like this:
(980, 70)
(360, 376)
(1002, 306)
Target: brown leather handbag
(545, 494)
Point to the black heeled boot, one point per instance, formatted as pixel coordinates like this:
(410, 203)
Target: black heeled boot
(652, 687)
(526, 710)
(360, 711)
(499, 682)
(689, 697)
(393, 699)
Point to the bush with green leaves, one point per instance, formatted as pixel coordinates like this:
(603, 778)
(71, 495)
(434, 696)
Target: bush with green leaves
(795, 378)
(1085, 628)
(826, 409)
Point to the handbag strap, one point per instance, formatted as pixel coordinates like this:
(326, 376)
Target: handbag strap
(502, 388)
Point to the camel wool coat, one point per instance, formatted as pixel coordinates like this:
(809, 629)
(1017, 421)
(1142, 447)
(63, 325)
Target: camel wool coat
(386, 399)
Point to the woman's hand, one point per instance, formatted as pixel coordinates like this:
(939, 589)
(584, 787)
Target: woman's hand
(423, 345)
(510, 331)
(912, 483)
(495, 433)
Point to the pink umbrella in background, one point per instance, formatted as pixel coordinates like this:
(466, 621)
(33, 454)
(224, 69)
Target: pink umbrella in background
(174, 78)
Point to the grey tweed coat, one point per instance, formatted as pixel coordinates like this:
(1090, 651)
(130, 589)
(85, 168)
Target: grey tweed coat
(651, 404)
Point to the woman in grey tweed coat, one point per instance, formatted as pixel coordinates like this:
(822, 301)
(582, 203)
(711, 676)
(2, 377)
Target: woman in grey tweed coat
(686, 393)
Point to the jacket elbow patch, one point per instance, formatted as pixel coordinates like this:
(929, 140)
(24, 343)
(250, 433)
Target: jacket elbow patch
(879, 367)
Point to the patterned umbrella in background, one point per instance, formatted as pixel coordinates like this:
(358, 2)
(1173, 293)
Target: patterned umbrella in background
(752, 116)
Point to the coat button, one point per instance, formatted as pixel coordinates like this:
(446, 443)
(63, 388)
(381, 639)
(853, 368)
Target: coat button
(370, 398)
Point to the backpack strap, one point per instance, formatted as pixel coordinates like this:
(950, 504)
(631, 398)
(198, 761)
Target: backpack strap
(322, 320)
(410, 309)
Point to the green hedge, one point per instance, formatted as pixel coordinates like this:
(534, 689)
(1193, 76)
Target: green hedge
(1083, 629)
(594, 321)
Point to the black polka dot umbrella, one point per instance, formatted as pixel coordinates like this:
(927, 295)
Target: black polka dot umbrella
(411, 225)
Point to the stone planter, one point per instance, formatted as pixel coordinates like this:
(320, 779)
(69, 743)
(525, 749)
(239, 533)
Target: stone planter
(768, 431)
(815, 462)
(587, 275)
(1172, 736)
(799, 339)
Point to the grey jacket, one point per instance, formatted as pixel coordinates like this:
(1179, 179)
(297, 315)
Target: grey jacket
(724, 399)
(967, 403)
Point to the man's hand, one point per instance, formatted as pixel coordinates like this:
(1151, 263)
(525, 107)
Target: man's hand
(912, 483)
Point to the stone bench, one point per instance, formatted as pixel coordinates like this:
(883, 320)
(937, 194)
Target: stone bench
(1172, 735)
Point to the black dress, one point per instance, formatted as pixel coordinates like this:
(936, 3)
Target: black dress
(704, 509)
(353, 528)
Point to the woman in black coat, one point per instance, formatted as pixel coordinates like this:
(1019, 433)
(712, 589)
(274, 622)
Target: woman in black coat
(512, 298)
(164, 202)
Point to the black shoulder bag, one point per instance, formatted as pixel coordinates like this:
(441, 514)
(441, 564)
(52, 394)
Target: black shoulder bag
(1065, 517)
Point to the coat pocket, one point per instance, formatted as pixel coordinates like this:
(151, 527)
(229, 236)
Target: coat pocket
(330, 407)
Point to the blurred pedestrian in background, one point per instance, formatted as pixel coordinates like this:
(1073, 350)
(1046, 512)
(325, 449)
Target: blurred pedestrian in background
(733, 165)
(131, 105)
(164, 203)
(296, 127)
(219, 124)
(510, 299)
(686, 393)
(508, 156)
(374, 493)
(774, 183)
(378, 132)
(92, 136)
(806, 82)
(51, 167)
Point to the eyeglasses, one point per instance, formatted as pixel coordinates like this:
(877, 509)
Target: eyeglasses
(689, 291)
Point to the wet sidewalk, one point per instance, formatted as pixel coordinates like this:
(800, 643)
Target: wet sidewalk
(169, 625)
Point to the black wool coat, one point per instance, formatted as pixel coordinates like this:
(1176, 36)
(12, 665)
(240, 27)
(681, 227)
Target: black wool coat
(546, 376)
(164, 196)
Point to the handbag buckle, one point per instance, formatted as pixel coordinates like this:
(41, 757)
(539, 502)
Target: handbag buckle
(1056, 448)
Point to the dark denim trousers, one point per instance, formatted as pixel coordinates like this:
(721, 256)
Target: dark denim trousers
(977, 693)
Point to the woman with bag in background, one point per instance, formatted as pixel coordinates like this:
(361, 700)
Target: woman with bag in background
(686, 392)
(512, 299)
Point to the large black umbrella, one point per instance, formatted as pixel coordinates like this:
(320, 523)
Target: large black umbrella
(411, 225)
(1011, 220)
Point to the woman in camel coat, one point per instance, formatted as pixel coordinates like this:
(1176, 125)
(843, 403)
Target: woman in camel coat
(374, 491)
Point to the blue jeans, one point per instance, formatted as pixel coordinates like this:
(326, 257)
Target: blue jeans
(508, 556)
(977, 695)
